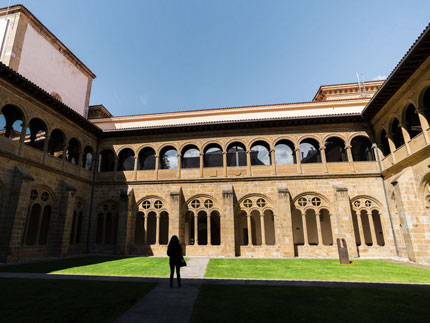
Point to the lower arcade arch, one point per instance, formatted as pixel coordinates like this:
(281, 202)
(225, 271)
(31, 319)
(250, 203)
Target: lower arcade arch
(312, 227)
(202, 228)
(151, 228)
(367, 222)
(255, 228)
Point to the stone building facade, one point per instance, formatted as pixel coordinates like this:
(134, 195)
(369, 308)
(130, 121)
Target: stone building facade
(281, 180)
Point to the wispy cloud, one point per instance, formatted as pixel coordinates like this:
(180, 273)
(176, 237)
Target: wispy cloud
(379, 77)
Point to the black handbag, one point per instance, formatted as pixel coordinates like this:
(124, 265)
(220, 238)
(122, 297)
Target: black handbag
(183, 262)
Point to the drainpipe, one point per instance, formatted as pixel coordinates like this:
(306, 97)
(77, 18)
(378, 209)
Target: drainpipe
(92, 197)
(375, 150)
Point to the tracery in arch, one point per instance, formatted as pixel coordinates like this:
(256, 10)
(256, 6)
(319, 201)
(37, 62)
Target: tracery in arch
(311, 220)
(255, 220)
(152, 221)
(202, 221)
(367, 223)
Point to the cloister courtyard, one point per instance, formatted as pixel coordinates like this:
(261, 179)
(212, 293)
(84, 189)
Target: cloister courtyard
(107, 288)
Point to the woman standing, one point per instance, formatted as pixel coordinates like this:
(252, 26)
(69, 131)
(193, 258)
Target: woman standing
(174, 251)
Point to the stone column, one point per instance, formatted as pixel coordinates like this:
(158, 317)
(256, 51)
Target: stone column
(157, 229)
(196, 229)
(361, 229)
(126, 216)
(145, 226)
(178, 175)
(157, 164)
(45, 150)
(283, 223)
(350, 158)
(135, 168)
(318, 220)
(228, 237)
(372, 229)
(424, 124)
(406, 137)
(224, 163)
(392, 148)
(12, 222)
(208, 219)
(63, 159)
(22, 139)
(324, 159)
(248, 162)
(115, 167)
(342, 216)
(248, 223)
(272, 157)
(263, 230)
(63, 225)
(298, 160)
(201, 165)
(305, 229)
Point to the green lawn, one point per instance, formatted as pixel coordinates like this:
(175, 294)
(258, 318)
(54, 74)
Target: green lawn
(316, 269)
(94, 265)
(217, 303)
(34, 300)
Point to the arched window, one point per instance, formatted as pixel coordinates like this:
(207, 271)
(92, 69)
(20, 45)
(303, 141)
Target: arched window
(139, 237)
(385, 147)
(107, 224)
(213, 156)
(126, 160)
(310, 151)
(190, 157)
(215, 228)
(106, 161)
(413, 125)
(284, 153)
(87, 160)
(236, 154)
(73, 151)
(260, 153)
(37, 134)
(426, 104)
(56, 143)
(147, 159)
(396, 134)
(164, 228)
(361, 149)
(11, 122)
(38, 219)
(76, 229)
(335, 150)
(168, 158)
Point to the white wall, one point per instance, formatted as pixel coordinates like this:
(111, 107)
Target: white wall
(44, 65)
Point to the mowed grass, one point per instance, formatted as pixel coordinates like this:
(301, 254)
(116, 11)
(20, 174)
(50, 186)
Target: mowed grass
(316, 269)
(34, 300)
(218, 303)
(94, 265)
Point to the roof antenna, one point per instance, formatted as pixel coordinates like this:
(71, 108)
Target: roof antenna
(361, 86)
(7, 10)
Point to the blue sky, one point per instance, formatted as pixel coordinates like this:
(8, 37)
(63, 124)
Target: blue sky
(156, 56)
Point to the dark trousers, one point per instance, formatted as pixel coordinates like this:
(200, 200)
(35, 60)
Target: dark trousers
(178, 274)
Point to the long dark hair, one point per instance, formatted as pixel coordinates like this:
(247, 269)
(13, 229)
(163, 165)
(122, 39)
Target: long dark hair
(174, 241)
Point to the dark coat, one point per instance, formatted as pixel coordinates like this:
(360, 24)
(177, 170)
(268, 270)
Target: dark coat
(175, 254)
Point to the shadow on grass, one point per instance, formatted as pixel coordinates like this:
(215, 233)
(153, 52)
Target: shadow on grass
(57, 264)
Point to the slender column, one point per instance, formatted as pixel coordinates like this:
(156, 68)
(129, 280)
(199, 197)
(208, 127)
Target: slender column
(318, 220)
(298, 160)
(209, 239)
(406, 137)
(63, 159)
(248, 162)
(201, 164)
(22, 139)
(81, 156)
(361, 229)
(157, 229)
(248, 219)
(135, 167)
(263, 230)
(179, 165)
(224, 163)
(45, 150)
(424, 124)
(372, 229)
(305, 229)
(350, 158)
(196, 229)
(324, 160)
(272, 156)
(157, 164)
(145, 228)
(392, 148)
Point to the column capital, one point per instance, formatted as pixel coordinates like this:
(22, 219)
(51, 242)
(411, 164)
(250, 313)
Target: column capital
(403, 124)
(322, 148)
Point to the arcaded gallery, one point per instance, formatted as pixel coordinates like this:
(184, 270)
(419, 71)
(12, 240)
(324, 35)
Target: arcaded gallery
(279, 180)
